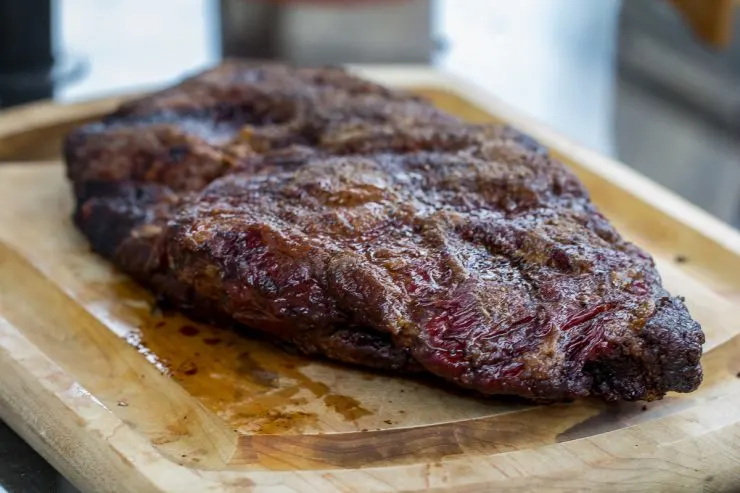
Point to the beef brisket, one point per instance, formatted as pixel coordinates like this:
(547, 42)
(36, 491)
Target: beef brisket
(362, 224)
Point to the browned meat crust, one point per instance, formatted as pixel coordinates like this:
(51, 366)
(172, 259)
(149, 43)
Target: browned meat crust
(362, 224)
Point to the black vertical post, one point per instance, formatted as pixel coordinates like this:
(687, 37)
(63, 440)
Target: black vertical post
(26, 52)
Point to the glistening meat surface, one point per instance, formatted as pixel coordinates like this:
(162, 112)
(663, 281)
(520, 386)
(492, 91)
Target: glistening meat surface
(364, 225)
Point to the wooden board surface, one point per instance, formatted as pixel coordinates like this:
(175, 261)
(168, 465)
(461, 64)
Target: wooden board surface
(122, 397)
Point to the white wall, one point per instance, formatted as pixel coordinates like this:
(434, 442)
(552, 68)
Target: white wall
(554, 59)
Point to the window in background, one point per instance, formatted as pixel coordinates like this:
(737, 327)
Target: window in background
(552, 59)
(130, 44)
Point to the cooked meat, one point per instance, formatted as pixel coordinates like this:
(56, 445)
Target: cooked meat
(361, 224)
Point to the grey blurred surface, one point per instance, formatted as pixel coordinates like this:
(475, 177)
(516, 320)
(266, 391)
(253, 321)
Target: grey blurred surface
(624, 78)
(657, 51)
(677, 108)
(388, 32)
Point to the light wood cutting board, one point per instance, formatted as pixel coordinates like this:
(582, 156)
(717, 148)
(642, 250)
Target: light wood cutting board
(123, 398)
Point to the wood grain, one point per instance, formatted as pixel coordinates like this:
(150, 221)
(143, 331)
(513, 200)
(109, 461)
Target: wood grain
(122, 397)
(711, 20)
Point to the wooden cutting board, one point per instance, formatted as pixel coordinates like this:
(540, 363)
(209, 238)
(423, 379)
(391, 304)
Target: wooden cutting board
(711, 20)
(121, 397)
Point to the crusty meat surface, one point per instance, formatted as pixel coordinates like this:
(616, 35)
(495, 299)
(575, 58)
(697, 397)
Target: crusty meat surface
(362, 224)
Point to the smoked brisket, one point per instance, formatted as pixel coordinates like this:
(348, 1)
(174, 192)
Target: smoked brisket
(362, 224)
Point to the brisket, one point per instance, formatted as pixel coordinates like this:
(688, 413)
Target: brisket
(362, 224)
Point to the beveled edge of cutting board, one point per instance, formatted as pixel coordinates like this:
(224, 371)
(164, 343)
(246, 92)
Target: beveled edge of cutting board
(673, 448)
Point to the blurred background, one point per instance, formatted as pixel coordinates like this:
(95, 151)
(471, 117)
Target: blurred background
(628, 78)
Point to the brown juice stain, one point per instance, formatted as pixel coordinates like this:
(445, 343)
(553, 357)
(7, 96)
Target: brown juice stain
(255, 387)
(187, 330)
(188, 368)
(280, 423)
(264, 416)
(348, 407)
(248, 366)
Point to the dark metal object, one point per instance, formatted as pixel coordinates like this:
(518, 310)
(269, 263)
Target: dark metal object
(28, 68)
(25, 35)
(25, 51)
(307, 33)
